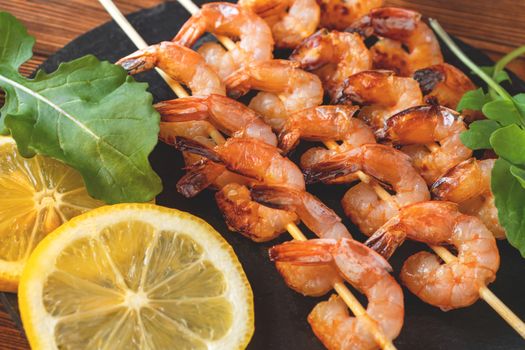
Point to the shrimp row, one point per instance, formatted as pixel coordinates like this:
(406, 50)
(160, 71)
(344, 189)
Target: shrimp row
(398, 92)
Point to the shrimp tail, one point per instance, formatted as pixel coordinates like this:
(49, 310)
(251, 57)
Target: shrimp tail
(288, 139)
(386, 240)
(238, 83)
(326, 171)
(183, 109)
(275, 197)
(184, 144)
(312, 252)
(198, 178)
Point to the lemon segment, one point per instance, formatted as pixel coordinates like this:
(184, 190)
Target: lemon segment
(37, 195)
(135, 276)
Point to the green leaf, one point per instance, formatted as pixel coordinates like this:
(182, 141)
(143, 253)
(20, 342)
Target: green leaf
(474, 100)
(519, 100)
(509, 197)
(90, 115)
(503, 111)
(519, 174)
(509, 142)
(478, 134)
(16, 46)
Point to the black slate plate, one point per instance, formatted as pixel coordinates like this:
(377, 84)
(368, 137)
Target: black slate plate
(280, 313)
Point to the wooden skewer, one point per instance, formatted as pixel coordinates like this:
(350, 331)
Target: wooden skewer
(503, 310)
(357, 309)
(294, 231)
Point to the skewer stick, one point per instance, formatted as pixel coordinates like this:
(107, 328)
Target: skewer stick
(294, 231)
(490, 298)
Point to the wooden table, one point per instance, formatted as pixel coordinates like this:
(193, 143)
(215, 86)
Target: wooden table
(496, 27)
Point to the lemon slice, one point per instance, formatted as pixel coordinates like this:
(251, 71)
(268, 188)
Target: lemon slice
(135, 276)
(36, 196)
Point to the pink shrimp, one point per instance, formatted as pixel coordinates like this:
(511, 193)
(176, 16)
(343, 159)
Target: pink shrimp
(285, 88)
(397, 27)
(325, 123)
(255, 44)
(290, 20)
(423, 125)
(180, 63)
(333, 57)
(450, 285)
(382, 94)
(364, 269)
(340, 14)
(361, 203)
(468, 184)
(227, 115)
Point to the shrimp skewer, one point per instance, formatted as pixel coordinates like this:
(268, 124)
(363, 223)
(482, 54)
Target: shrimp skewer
(345, 294)
(365, 270)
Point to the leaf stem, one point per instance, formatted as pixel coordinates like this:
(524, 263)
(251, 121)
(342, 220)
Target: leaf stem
(467, 61)
(503, 62)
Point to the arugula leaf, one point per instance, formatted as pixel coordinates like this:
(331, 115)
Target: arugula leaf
(88, 114)
(509, 142)
(519, 100)
(478, 134)
(473, 100)
(519, 174)
(509, 197)
(503, 111)
(16, 44)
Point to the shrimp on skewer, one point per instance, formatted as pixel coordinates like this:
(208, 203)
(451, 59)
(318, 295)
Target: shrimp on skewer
(443, 84)
(285, 88)
(397, 27)
(418, 126)
(361, 203)
(382, 94)
(368, 272)
(333, 57)
(307, 280)
(227, 115)
(290, 20)
(340, 14)
(222, 18)
(451, 285)
(468, 184)
(325, 123)
(180, 63)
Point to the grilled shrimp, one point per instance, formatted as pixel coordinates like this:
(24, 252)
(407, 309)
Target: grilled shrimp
(325, 123)
(382, 94)
(180, 63)
(451, 285)
(422, 125)
(443, 84)
(253, 220)
(222, 18)
(256, 162)
(290, 20)
(397, 27)
(361, 203)
(324, 222)
(340, 14)
(468, 184)
(284, 87)
(227, 115)
(333, 57)
(364, 269)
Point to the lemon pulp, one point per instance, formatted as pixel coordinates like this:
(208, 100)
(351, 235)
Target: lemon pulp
(37, 195)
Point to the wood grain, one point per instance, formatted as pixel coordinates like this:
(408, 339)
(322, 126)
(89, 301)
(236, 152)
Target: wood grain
(496, 27)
